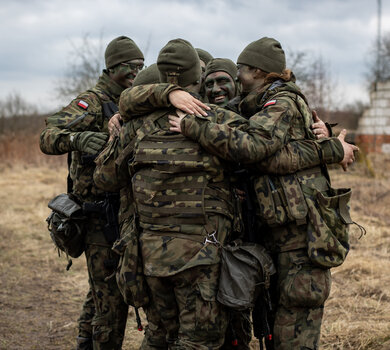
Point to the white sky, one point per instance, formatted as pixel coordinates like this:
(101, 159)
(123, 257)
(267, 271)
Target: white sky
(36, 36)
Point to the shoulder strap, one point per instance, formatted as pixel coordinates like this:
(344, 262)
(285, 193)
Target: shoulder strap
(146, 127)
(108, 106)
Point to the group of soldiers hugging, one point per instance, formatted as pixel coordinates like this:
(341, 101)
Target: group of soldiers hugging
(198, 190)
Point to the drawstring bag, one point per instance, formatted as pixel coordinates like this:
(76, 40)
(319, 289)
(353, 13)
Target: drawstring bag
(246, 269)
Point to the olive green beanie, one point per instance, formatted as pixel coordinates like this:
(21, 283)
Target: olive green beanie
(222, 65)
(149, 75)
(266, 54)
(178, 63)
(121, 49)
(204, 55)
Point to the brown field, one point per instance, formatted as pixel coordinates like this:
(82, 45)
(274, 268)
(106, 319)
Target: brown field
(40, 300)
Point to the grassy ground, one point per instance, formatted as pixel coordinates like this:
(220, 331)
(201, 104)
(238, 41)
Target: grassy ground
(40, 300)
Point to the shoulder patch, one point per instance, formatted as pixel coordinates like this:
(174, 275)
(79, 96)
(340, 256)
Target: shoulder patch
(82, 104)
(270, 103)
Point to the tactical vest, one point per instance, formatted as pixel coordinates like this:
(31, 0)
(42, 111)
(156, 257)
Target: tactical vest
(176, 185)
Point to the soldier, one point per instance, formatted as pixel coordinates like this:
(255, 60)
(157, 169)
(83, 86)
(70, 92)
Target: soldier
(140, 101)
(279, 113)
(190, 214)
(220, 81)
(80, 129)
(204, 58)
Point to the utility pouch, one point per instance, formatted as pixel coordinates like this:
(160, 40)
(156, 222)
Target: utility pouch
(245, 271)
(129, 276)
(65, 224)
(281, 200)
(327, 228)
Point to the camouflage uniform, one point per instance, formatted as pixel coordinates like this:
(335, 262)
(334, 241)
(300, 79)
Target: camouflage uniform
(88, 112)
(144, 99)
(181, 271)
(279, 114)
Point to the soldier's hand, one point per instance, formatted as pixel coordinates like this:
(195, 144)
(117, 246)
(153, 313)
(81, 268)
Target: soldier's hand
(175, 120)
(88, 141)
(349, 149)
(187, 103)
(114, 125)
(319, 127)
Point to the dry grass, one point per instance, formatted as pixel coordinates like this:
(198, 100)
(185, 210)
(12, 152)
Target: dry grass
(40, 301)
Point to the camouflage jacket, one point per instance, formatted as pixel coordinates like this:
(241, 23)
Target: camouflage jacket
(278, 115)
(196, 202)
(293, 156)
(87, 112)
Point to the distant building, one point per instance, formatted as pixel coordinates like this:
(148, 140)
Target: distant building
(373, 133)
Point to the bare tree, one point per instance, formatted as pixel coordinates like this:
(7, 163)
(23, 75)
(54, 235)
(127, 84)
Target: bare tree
(14, 105)
(84, 67)
(315, 79)
(378, 62)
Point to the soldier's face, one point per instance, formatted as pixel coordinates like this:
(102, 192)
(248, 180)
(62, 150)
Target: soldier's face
(125, 72)
(220, 88)
(245, 76)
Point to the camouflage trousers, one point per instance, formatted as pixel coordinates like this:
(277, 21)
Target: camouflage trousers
(302, 289)
(239, 329)
(186, 304)
(156, 337)
(109, 321)
(110, 311)
(86, 315)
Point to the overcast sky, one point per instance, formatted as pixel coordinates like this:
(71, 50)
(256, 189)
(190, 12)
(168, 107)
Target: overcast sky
(36, 36)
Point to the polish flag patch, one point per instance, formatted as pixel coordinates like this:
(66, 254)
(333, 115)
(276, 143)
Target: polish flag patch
(270, 103)
(82, 104)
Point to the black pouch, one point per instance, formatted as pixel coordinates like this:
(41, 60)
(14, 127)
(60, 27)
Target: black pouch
(246, 269)
(65, 224)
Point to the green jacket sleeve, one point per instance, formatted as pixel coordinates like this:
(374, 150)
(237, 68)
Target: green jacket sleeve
(80, 115)
(265, 140)
(251, 142)
(302, 154)
(144, 99)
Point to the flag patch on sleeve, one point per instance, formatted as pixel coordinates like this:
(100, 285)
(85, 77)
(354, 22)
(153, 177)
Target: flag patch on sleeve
(270, 103)
(82, 104)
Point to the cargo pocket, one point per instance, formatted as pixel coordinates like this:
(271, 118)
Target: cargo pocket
(129, 275)
(327, 229)
(101, 331)
(208, 312)
(272, 211)
(305, 286)
(281, 200)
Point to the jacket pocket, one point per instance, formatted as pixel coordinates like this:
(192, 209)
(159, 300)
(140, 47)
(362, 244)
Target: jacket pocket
(327, 229)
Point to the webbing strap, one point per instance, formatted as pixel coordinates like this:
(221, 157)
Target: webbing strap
(170, 220)
(173, 211)
(175, 197)
(125, 153)
(168, 157)
(157, 142)
(195, 238)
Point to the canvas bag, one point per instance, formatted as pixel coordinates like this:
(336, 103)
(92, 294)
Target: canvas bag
(246, 269)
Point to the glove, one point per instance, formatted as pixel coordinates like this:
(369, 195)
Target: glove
(88, 141)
